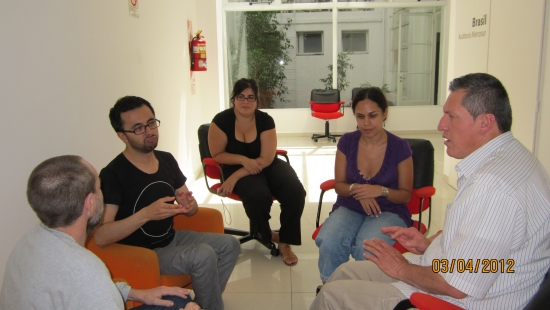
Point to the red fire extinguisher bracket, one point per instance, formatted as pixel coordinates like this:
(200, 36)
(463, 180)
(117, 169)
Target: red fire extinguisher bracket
(198, 53)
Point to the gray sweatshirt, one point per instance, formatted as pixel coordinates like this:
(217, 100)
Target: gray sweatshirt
(49, 270)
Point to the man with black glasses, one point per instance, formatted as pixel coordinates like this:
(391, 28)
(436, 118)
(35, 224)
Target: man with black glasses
(140, 186)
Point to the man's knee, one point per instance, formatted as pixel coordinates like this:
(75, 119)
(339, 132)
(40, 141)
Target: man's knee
(327, 292)
(233, 246)
(354, 270)
(203, 254)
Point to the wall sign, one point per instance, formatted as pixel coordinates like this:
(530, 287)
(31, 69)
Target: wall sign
(478, 29)
(134, 8)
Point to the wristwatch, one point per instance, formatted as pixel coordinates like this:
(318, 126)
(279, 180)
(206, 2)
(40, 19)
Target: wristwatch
(385, 192)
(352, 186)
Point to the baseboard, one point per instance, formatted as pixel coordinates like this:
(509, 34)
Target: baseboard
(397, 133)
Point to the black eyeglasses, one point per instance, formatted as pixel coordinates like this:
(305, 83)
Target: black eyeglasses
(141, 129)
(250, 98)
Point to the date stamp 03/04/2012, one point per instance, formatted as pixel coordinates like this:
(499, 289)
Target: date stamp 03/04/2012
(473, 265)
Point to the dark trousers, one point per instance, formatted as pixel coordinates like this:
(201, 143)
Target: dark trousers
(178, 304)
(278, 180)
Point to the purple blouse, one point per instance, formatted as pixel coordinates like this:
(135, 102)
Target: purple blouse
(397, 150)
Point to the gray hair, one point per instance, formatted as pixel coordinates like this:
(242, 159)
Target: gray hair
(57, 189)
(485, 94)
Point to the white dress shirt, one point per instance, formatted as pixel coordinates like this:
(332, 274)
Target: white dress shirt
(499, 221)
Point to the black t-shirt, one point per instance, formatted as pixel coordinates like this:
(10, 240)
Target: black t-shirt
(225, 120)
(131, 189)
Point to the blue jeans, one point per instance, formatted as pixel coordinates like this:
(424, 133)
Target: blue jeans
(178, 304)
(343, 233)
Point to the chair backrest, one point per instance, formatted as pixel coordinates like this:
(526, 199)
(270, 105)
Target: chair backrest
(541, 298)
(325, 100)
(356, 89)
(423, 162)
(354, 92)
(203, 141)
(325, 96)
(423, 166)
(209, 171)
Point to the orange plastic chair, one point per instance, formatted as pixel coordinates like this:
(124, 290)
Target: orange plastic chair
(139, 266)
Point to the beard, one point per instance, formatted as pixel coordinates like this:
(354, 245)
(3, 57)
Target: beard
(143, 147)
(95, 219)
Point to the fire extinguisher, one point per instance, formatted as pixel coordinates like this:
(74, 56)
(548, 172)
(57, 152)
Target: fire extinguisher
(198, 53)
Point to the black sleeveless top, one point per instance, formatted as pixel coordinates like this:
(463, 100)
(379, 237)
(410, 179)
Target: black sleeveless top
(225, 120)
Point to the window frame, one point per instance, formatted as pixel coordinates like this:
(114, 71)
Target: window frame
(322, 52)
(365, 31)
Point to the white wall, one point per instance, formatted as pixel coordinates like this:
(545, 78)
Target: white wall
(542, 147)
(201, 107)
(515, 49)
(63, 64)
(511, 52)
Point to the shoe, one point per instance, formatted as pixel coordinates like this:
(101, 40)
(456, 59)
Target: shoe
(318, 289)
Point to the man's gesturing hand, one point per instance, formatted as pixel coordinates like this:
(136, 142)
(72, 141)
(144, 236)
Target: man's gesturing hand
(410, 238)
(188, 202)
(162, 208)
(386, 257)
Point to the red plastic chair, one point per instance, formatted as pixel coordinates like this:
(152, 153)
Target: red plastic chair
(424, 301)
(213, 170)
(326, 105)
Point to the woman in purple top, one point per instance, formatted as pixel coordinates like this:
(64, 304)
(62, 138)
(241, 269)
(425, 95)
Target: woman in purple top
(373, 180)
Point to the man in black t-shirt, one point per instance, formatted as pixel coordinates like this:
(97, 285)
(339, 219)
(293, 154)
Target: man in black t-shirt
(140, 186)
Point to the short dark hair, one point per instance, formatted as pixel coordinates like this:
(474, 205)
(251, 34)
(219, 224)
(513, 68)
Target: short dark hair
(373, 94)
(243, 84)
(485, 94)
(126, 104)
(57, 189)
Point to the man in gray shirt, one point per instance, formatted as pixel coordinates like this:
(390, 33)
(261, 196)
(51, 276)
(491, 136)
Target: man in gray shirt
(49, 267)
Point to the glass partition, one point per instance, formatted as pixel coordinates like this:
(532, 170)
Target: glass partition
(290, 51)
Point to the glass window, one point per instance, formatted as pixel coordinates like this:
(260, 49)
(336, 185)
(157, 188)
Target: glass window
(355, 41)
(310, 43)
(290, 51)
(362, 0)
(304, 1)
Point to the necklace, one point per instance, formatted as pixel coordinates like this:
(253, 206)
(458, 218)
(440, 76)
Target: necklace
(366, 178)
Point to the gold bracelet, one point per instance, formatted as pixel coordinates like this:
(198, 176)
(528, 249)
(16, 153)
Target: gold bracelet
(385, 192)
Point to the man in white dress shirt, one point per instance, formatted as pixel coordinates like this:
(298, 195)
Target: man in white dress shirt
(495, 247)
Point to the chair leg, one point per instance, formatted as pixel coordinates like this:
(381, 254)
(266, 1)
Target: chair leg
(319, 209)
(246, 236)
(327, 134)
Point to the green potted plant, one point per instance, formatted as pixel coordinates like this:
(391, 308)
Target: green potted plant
(385, 88)
(267, 47)
(343, 65)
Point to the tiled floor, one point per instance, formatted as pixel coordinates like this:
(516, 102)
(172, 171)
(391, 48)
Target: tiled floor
(261, 281)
